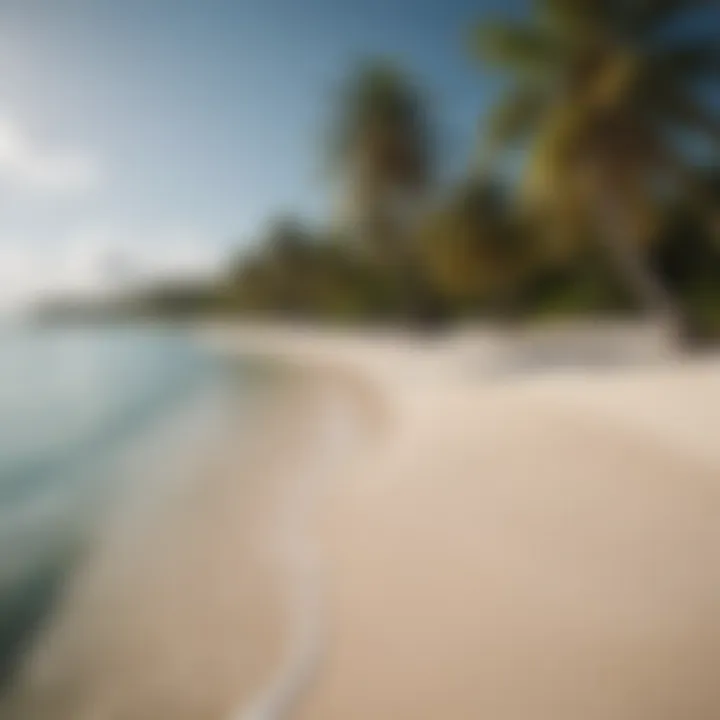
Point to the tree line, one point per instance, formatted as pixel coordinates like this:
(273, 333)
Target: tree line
(614, 206)
(594, 186)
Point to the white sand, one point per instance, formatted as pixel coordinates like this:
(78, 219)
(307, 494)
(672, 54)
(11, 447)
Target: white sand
(540, 546)
(503, 546)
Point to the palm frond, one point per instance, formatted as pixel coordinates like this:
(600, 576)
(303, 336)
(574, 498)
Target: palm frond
(580, 16)
(513, 119)
(556, 142)
(523, 49)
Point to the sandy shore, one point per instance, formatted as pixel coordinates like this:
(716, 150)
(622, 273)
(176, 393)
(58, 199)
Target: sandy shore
(505, 544)
(532, 545)
(197, 601)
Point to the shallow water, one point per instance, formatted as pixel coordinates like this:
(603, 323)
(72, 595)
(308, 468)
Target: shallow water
(84, 414)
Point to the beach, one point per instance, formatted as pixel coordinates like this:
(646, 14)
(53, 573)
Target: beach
(192, 602)
(416, 529)
(360, 360)
(540, 544)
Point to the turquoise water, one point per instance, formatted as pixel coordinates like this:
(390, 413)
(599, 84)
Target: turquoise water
(73, 405)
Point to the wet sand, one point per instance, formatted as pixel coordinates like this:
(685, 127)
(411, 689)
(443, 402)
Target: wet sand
(183, 610)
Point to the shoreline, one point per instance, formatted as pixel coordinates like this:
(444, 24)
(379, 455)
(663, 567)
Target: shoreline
(186, 606)
(473, 543)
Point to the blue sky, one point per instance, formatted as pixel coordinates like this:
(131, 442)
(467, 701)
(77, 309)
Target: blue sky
(170, 130)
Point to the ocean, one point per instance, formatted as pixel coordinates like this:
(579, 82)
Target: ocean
(77, 408)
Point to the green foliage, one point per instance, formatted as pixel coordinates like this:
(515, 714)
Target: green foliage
(381, 149)
(380, 132)
(471, 250)
(597, 99)
(593, 86)
(294, 273)
(601, 98)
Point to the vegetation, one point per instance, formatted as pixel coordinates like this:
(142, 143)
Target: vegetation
(615, 206)
(600, 92)
(381, 152)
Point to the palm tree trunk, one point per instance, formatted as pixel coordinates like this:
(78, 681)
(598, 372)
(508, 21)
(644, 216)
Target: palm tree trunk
(648, 290)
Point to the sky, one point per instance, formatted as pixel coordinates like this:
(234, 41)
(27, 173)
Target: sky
(161, 135)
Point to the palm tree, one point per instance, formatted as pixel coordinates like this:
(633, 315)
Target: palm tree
(471, 246)
(381, 148)
(606, 101)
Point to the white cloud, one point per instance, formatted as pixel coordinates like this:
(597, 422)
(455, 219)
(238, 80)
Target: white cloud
(24, 163)
(144, 254)
(97, 261)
